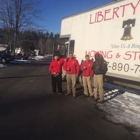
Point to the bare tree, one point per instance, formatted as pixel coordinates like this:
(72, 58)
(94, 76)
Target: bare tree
(16, 15)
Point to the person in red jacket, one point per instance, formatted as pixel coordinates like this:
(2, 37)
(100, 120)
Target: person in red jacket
(56, 71)
(71, 66)
(87, 73)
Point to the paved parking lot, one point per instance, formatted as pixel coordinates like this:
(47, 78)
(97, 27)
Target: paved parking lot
(28, 110)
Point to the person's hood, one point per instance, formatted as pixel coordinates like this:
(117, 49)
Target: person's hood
(99, 55)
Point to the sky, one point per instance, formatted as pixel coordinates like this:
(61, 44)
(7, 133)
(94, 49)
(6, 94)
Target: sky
(52, 11)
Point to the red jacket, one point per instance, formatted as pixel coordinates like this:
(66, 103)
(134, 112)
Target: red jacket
(56, 66)
(73, 66)
(88, 71)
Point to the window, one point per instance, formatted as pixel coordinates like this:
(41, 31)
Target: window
(71, 46)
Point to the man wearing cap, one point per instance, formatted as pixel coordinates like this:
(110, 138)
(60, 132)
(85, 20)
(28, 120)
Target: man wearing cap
(71, 66)
(56, 71)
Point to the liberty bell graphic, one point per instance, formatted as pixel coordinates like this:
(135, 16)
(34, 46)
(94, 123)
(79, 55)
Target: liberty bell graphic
(127, 25)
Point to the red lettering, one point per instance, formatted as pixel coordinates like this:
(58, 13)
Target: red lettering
(132, 55)
(100, 16)
(123, 6)
(134, 7)
(87, 53)
(109, 14)
(109, 56)
(106, 12)
(135, 54)
(90, 22)
(92, 53)
(127, 54)
(118, 55)
(115, 10)
(105, 54)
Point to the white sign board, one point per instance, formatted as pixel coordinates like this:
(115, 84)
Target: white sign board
(112, 30)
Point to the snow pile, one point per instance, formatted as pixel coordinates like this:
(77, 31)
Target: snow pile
(123, 107)
(20, 61)
(35, 57)
(46, 56)
(2, 66)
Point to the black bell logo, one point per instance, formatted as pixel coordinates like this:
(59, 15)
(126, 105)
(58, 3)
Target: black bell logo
(127, 25)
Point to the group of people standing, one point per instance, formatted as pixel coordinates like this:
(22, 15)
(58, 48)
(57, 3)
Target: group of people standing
(88, 69)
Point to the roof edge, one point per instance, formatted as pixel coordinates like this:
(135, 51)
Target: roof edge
(110, 3)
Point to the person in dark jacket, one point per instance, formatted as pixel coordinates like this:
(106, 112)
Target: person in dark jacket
(100, 68)
(56, 71)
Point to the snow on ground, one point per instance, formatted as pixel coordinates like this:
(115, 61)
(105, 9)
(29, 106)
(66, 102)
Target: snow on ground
(47, 55)
(2, 66)
(122, 107)
(35, 57)
(39, 57)
(29, 58)
(20, 61)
